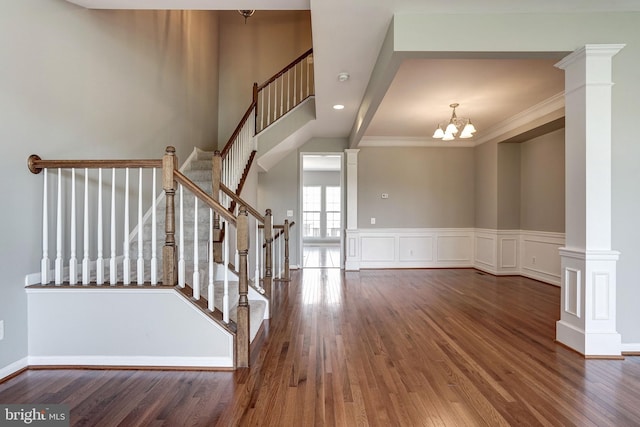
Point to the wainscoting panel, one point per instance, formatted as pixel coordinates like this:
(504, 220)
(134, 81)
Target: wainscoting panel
(509, 253)
(485, 250)
(377, 248)
(414, 248)
(501, 252)
(455, 248)
(540, 256)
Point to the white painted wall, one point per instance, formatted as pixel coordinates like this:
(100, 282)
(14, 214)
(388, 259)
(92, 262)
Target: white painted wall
(94, 326)
(76, 83)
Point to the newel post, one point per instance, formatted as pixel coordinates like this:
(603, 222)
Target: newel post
(242, 334)
(216, 174)
(169, 252)
(287, 271)
(268, 262)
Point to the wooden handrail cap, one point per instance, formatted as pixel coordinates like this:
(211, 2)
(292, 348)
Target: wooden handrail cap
(31, 163)
(171, 149)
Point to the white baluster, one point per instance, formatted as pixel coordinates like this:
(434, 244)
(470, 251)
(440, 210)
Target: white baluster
(181, 265)
(59, 261)
(281, 78)
(196, 268)
(126, 261)
(301, 81)
(288, 89)
(44, 263)
(225, 264)
(154, 232)
(113, 266)
(100, 259)
(262, 110)
(256, 276)
(268, 104)
(73, 260)
(308, 77)
(140, 260)
(86, 262)
(210, 302)
(295, 77)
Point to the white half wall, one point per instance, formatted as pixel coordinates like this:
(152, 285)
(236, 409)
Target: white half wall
(123, 327)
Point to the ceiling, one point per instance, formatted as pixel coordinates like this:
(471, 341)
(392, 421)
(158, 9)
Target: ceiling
(347, 37)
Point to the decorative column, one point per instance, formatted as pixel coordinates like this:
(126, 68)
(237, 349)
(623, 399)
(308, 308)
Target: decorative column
(352, 243)
(588, 264)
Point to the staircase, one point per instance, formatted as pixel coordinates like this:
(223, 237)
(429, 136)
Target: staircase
(198, 168)
(131, 284)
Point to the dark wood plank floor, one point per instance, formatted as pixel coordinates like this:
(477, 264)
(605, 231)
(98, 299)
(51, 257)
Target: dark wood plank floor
(378, 348)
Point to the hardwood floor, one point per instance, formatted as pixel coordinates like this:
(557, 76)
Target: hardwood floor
(378, 348)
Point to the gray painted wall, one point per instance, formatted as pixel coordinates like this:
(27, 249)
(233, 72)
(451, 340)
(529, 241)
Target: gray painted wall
(427, 187)
(486, 189)
(542, 183)
(508, 186)
(77, 83)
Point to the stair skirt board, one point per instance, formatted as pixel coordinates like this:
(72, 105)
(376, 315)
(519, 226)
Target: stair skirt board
(123, 326)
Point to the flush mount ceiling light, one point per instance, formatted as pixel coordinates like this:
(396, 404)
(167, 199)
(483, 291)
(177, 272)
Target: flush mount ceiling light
(343, 77)
(338, 107)
(454, 125)
(246, 14)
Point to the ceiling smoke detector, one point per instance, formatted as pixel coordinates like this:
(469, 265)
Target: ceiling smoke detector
(343, 77)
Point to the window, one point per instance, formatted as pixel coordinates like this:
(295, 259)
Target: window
(312, 203)
(332, 210)
(321, 212)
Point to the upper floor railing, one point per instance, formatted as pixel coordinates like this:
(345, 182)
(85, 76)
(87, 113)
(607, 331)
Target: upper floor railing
(284, 91)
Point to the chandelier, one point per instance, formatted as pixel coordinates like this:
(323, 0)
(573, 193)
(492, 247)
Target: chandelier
(246, 14)
(454, 125)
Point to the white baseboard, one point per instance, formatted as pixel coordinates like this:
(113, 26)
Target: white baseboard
(13, 368)
(137, 361)
(631, 347)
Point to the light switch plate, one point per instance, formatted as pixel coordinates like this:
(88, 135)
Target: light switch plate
(1, 330)
(373, 221)
(289, 213)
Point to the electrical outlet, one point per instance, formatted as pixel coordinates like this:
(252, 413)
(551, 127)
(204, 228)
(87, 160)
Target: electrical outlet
(1, 330)
(533, 260)
(373, 221)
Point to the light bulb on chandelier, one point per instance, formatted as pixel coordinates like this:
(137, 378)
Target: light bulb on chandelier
(454, 125)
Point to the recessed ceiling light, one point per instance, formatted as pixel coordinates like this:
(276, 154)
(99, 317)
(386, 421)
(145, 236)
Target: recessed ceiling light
(338, 107)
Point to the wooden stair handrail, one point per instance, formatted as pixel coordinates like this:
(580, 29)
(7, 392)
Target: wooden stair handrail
(203, 196)
(241, 202)
(279, 233)
(285, 69)
(36, 164)
(235, 133)
(245, 173)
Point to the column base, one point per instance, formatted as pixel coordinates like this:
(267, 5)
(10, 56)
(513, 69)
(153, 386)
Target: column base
(600, 345)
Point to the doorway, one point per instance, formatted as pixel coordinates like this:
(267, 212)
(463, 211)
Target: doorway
(322, 210)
